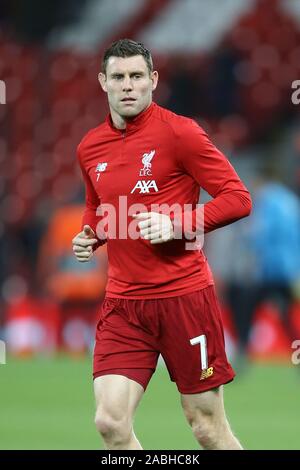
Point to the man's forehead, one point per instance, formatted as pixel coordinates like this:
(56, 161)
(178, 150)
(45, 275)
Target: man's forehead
(126, 64)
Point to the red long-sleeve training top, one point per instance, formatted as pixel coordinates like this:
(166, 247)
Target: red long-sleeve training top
(161, 158)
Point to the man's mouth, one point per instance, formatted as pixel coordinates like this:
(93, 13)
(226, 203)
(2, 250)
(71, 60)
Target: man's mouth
(127, 99)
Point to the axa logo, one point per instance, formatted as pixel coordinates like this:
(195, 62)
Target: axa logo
(145, 186)
(100, 168)
(146, 161)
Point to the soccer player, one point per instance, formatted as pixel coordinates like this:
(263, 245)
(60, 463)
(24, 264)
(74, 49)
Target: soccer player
(160, 296)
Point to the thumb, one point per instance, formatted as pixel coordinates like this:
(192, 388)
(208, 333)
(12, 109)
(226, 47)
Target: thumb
(88, 232)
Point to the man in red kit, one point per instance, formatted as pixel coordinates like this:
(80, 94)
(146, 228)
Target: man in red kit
(160, 297)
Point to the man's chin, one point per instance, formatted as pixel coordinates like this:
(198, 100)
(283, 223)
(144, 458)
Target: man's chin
(130, 113)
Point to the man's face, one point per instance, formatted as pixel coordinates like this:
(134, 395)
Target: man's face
(128, 84)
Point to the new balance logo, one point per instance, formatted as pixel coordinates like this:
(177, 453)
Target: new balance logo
(207, 373)
(145, 186)
(100, 168)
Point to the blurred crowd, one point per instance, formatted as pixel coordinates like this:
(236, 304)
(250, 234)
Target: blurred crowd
(239, 91)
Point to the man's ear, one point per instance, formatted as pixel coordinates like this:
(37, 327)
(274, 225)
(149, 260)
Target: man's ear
(102, 81)
(154, 78)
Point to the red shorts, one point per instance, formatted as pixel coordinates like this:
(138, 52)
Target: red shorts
(186, 330)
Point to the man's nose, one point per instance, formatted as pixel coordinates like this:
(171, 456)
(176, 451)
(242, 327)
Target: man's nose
(127, 84)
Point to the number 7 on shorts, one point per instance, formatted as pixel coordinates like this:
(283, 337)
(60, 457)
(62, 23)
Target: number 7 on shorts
(203, 349)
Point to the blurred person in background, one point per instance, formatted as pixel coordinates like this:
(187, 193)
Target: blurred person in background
(160, 296)
(258, 260)
(274, 236)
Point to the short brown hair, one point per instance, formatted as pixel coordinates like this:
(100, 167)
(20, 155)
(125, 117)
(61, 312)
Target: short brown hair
(127, 48)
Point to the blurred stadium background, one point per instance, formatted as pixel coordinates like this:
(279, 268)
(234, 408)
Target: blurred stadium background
(228, 64)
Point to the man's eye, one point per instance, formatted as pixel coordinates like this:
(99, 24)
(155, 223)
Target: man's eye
(137, 75)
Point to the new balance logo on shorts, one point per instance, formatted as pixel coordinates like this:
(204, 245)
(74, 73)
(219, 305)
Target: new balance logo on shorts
(207, 373)
(145, 186)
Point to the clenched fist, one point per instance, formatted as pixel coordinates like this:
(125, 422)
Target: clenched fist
(83, 244)
(155, 227)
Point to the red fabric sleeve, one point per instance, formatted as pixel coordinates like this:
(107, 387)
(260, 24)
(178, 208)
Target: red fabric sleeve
(92, 203)
(214, 173)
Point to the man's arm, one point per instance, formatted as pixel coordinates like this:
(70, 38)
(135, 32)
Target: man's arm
(213, 172)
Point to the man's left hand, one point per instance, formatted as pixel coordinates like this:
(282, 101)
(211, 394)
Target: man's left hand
(155, 227)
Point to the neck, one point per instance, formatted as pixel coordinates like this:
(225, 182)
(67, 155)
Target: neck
(118, 121)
